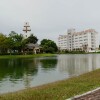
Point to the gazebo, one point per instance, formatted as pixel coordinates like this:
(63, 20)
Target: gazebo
(34, 48)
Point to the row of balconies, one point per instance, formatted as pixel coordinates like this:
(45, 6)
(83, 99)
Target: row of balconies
(76, 44)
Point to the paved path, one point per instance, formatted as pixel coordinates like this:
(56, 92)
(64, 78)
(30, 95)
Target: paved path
(91, 95)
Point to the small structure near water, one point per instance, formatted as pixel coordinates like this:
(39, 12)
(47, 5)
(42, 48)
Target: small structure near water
(33, 48)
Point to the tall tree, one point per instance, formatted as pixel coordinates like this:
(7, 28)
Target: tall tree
(49, 46)
(17, 40)
(10, 44)
(32, 39)
(3, 43)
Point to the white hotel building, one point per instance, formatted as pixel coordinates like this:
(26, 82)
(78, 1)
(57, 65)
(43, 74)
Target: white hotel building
(62, 42)
(87, 40)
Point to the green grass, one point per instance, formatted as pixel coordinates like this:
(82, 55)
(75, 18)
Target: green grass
(60, 90)
(26, 56)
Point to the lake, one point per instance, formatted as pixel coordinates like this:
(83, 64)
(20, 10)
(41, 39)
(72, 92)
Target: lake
(17, 74)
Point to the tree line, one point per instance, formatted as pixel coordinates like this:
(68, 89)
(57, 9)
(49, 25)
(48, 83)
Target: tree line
(14, 43)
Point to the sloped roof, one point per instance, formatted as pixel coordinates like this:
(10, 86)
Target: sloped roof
(32, 45)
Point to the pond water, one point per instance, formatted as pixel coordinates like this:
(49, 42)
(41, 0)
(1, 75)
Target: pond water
(17, 74)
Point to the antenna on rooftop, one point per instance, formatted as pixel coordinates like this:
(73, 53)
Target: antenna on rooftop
(26, 27)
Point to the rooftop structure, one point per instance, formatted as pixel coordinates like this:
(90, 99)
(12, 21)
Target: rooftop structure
(26, 30)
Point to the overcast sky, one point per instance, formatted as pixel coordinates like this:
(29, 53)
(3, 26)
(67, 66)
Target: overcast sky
(49, 18)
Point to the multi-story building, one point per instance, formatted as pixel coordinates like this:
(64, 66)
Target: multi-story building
(86, 40)
(62, 42)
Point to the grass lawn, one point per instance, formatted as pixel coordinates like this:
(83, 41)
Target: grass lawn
(26, 56)
(60, 90)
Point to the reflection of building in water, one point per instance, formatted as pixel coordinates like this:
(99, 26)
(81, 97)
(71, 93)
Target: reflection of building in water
(93, 62)
(73, 64)
(97, 60)
(66, 64)
(77, 64)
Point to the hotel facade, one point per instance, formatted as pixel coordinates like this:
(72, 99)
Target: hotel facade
(87, 41)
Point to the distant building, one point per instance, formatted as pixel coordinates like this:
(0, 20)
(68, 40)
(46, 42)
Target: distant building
(62, 42)
(87, 40)
(30, 47)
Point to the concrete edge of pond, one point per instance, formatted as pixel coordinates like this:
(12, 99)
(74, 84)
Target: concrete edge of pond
(89, 93)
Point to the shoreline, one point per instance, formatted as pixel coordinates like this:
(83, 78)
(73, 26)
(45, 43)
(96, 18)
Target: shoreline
(61, 90)
(39, 55)
(26, 56)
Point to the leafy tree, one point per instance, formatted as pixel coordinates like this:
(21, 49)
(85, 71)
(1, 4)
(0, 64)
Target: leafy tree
(10, 44)
(23, 44)
(3, 43)
(32, 39)
(49, 46)
(44, 41)
(16, 39)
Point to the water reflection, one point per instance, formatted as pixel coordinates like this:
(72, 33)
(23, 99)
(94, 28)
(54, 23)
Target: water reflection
(16, 74)
(78, 64)
(48, 63)
(17, 68)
